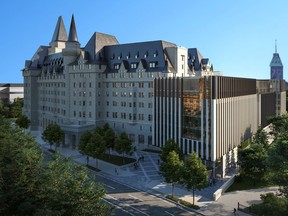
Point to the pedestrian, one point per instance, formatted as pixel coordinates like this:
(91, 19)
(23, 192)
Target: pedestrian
(116, 171)
(158, 161)
(143, 158)
(210, 182)
(178, 203)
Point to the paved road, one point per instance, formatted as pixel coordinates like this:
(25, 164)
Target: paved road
(130, 201)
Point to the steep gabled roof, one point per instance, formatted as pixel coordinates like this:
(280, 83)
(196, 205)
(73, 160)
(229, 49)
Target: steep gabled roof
(97, 42)
(151, 51)
(60, 31)
(39, 57)
(195, 58)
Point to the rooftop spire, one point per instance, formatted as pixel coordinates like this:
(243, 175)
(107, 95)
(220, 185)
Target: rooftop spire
(60, 31)
(275, 46)
(72, 32)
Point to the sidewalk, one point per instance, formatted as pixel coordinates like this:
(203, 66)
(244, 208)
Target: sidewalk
(147, 178)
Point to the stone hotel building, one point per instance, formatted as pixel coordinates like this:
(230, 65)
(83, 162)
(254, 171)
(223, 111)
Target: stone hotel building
(152, 90)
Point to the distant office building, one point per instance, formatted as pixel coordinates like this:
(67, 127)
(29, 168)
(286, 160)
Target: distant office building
(11, 91)
(276, 66)
(151, 90)
(212, 115)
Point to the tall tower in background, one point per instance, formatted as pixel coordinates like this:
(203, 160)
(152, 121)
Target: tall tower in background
(276, 66)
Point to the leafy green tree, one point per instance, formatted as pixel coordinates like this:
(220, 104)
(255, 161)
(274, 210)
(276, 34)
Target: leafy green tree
(30, 187)
(169, 146)
(96, 147)
(83, 144)
(23, 122)
(20, 165)
(109, 136)
(253, 162)
(67, 189)
(194, 174)
(123, 145)
(260, 137)
(272, 205)
(279, 125)
(16, 108)
(171, 169)
(84, 140)
(53, 134)
(278, 163)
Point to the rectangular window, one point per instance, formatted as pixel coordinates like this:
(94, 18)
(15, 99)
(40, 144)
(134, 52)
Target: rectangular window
(152, 64)
(133, 65)
(117, 66)
(141, 139)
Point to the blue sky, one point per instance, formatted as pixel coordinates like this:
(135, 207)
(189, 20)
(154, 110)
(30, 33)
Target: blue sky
(237, 36)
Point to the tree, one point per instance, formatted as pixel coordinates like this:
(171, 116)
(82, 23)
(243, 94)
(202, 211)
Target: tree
(272, 205)
(82, 196)
(20, 165)
(16, 108)
(194, 174)
(30, 187)
(253, 162)
(96, 146)
(23, 122)
(278, 163)
(123, 145)
(109, 136)
(260, 137)
(83, 144)
(84, 140)
(171, 169)
(53, 134)
(169, 146)
(279, 125)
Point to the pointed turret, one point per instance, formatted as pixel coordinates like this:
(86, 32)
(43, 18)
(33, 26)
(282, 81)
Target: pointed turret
(59, 38)
(276, 66)
(72, 32)
(60, 31)
(72, 49)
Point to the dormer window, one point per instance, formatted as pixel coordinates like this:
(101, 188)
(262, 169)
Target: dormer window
(128, 56)
(155, 54)
(152, 64)
(113, 56)
(120, 57)
(116, 66)
(146, 55)
(133, 65)
(137, 55)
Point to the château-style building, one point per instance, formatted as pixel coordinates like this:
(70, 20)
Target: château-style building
(154, 91)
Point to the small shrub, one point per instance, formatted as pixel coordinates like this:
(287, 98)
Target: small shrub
(183, 202)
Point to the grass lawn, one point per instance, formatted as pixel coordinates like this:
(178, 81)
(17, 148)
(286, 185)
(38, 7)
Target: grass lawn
(246, 185)
(117, 160)
(151, 150)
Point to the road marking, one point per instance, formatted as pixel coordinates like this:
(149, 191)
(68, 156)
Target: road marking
(108, 186)
(135, 197)
(135, 209)
(143, 170)
(117, 206)
(163, 200)
(156, 167)
(169, 213)
(112, 197)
